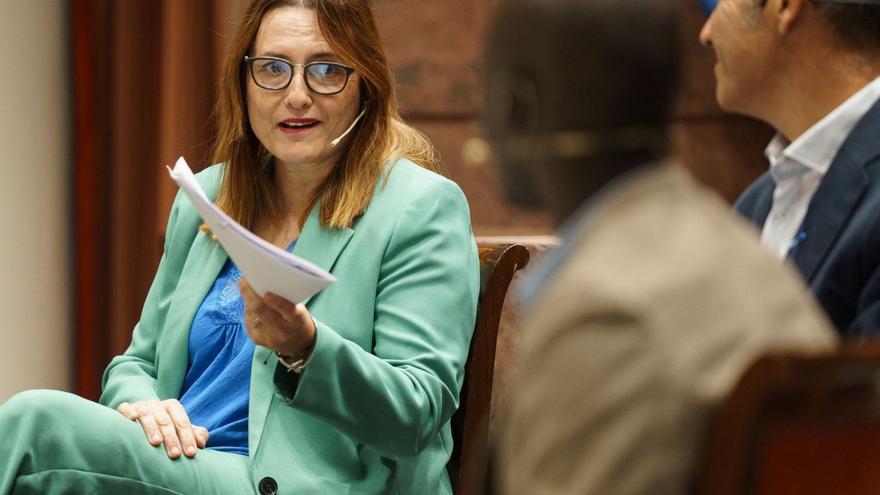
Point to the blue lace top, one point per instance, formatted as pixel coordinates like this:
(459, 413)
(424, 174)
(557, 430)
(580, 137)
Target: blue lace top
(216, 388)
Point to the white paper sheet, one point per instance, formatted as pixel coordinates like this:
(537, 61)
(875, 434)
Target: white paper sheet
(266, 267)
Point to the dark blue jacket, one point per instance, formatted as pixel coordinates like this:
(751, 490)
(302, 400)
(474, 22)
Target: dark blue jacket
(839, 248)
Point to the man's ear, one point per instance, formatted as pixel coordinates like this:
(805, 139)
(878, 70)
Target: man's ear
(510, 119)
(787, 13)
(523, 113)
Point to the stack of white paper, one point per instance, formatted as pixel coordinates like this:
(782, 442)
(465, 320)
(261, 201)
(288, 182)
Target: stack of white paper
(266, 267)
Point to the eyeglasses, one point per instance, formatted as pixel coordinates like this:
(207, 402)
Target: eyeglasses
(508, 93)
(569, 144)
(323, 78)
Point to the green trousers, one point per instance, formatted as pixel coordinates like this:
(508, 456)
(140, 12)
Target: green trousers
(58, 443)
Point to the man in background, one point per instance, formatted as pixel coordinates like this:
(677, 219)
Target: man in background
(657, 299)
(810, 68)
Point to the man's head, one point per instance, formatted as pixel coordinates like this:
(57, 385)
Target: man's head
(766, 49)
(562, 67)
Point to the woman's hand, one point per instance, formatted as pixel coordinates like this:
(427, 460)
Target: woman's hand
(276, 323)
(167, 422)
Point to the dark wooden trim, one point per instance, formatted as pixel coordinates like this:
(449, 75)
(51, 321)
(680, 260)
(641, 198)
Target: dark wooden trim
(86, 201)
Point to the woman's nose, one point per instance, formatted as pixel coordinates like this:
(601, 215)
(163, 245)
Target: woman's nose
(298, 94)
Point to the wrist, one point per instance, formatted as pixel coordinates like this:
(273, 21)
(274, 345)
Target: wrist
(295, 364)
(297, 361)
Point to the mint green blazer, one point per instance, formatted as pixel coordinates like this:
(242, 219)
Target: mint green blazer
(371, 412)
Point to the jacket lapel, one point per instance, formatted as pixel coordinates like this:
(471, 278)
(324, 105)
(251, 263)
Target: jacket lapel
(838, 195)
(321, 246)
(756, 211)
(764, 203)
(204, 262)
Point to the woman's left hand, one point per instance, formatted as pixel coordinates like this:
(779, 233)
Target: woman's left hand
(276, 323)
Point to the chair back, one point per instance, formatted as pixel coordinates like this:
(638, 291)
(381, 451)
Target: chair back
(798, 424)
(470, 424)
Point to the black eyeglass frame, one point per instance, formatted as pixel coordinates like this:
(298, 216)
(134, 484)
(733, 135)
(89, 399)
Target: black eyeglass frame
(249, 62)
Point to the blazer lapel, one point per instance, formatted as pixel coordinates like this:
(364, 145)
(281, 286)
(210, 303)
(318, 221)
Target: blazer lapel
(203, 263)
(838, 195)
(322, 247)
(757, 212)
(765, 201)
(319, 244)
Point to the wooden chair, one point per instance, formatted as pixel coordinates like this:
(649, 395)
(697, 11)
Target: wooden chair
(798, 425)
(470, 424)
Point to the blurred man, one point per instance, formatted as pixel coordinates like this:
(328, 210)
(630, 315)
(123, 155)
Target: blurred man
(657, 299)
(810, 68)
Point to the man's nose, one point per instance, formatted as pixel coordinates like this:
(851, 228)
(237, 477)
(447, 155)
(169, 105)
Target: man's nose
(706, 32)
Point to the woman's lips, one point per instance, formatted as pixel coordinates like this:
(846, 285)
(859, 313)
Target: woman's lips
(297, 126)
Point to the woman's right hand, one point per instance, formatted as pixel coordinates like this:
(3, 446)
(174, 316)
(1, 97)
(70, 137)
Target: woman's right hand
(167, 422)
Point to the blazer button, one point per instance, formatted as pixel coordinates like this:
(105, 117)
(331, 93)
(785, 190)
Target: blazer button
(268, 486)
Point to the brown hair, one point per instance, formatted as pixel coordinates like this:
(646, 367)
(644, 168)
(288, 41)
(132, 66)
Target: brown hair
(248, 193)
(857, 26)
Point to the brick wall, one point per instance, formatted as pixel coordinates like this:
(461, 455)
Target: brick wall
(436, 50)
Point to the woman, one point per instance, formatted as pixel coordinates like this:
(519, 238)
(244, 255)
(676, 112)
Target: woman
(228, 392)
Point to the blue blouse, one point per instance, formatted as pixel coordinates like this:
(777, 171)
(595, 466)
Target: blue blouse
(216, 388)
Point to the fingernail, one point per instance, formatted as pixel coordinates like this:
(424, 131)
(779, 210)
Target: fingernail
(190, 451)
(175, 452)
(156, 438)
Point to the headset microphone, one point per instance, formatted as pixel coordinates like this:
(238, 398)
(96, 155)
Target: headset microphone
(337, 140)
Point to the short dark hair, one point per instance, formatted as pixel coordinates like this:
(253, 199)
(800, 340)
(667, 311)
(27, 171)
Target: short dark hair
(596, 63)
(857, 25)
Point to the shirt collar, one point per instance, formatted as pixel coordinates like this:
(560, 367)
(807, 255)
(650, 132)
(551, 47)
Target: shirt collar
(816, 148)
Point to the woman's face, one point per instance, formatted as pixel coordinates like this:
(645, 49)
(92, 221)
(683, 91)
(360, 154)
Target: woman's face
(295, 124)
